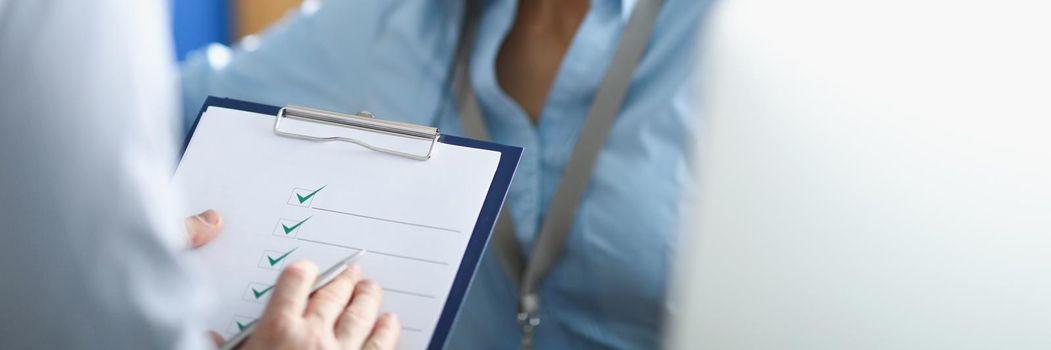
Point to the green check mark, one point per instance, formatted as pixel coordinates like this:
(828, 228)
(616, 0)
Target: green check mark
(303, 199)
(293, 227)
(274, 261)
(260, 293)
(241, 326)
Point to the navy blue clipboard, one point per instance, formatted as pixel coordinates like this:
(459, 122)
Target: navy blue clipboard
(509, 157)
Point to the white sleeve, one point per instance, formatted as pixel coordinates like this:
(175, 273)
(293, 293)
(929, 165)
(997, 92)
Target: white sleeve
(91, 250)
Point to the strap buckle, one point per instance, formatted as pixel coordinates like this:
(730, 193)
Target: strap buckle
(528, 318)
(529, 322)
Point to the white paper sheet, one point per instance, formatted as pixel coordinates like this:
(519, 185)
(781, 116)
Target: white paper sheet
(414, 217)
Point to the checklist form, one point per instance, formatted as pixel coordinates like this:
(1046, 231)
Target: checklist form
(423, 223)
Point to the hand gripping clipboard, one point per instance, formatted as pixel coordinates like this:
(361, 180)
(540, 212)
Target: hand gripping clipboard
(387, 137)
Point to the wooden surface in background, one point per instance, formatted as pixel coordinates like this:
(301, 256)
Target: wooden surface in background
(252, 16)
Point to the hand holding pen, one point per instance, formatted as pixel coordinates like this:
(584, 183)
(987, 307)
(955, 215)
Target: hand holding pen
(340, 311)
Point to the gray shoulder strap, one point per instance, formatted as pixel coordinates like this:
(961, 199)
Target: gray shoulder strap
(600, 118)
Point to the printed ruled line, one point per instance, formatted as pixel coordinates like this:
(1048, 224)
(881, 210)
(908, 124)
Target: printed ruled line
(386, 220)
(375, 252)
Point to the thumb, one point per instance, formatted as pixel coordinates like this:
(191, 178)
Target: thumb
(203, 227)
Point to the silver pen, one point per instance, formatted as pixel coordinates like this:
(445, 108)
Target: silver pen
(323, 280)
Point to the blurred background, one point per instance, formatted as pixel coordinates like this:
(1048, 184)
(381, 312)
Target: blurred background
(197, 23)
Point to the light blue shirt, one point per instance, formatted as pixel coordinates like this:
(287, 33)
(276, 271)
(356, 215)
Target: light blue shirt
(393, 58)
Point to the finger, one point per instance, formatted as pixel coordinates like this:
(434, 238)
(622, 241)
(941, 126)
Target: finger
(203, 227)
(328, 302)
(216, 338)
(385, 335)
(357, 321)
(291, 292)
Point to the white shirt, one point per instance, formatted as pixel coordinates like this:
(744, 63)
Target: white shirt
(91, 249)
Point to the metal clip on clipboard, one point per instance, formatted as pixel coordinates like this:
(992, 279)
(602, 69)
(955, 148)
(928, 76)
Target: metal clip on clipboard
(361, 121)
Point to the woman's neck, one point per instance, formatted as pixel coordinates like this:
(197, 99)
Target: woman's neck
(533, 50)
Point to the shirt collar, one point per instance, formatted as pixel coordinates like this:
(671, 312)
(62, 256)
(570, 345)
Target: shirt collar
(625, 8)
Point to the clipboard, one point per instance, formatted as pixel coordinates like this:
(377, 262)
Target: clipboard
(365, 122)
